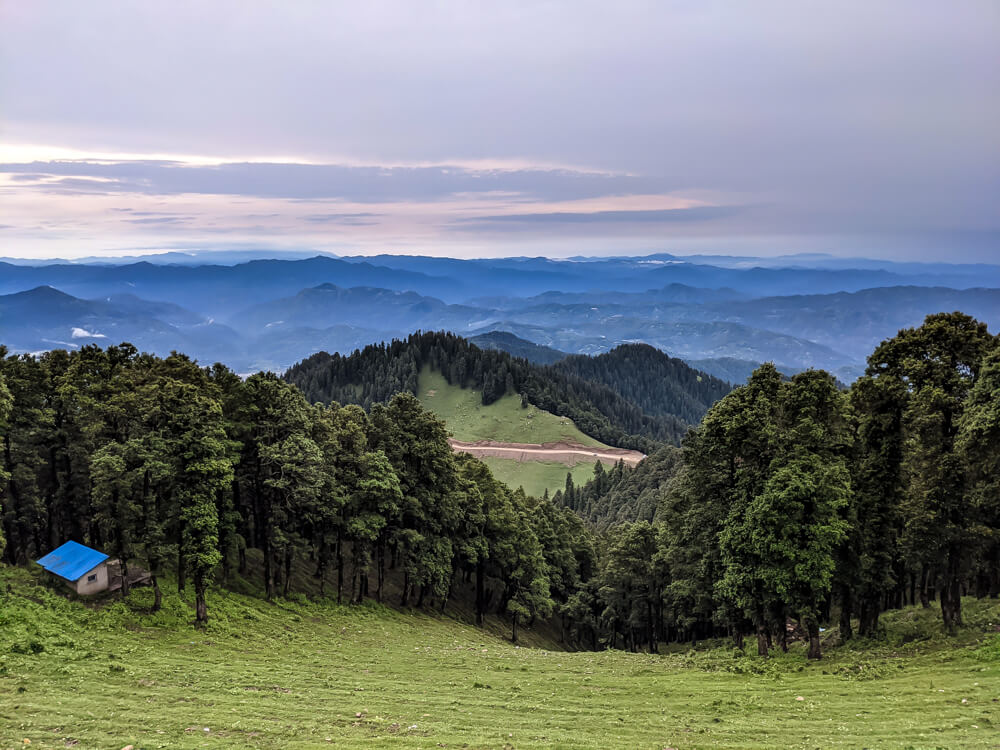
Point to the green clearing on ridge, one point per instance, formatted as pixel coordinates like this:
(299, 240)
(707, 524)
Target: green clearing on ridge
(537, 476)
(310, 674)
(506, 421)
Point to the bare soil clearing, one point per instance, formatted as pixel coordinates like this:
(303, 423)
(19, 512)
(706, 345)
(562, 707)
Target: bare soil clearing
(562, 452)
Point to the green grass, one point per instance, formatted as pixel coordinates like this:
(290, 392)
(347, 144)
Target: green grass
(503, 420)
(301, 674)
(537, 476)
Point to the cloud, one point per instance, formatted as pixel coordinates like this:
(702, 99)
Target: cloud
(327, 181)
(842, 118)
(83, 333)
(666, 215)
(160, 219)
(361, 218)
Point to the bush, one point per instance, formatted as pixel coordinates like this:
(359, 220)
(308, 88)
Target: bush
(866, 669)
(990, 650)
(31, 647)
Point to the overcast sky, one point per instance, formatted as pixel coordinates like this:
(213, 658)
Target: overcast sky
(557, 128)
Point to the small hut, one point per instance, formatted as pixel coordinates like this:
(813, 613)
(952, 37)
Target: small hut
(85, 570)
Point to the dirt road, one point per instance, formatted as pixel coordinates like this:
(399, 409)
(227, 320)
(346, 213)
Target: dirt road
(566, 453)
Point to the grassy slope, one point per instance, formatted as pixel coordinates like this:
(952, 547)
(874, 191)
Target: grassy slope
(297, 674)
(537, 476)
(506, 421)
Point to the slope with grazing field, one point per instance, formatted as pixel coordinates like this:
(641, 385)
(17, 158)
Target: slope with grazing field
(314, 674)
(506, 421)
(535, 477)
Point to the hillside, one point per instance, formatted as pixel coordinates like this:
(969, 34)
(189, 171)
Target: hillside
(315, 674)
(517, 347)
(855, 323)
(328, 304)
(623, 494)
(656, 382)
(729, 369)
(506, 421)
(272, 313)
(45, 318)
(375, 373)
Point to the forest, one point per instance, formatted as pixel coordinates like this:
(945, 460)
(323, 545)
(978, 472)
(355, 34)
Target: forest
(597, 397)
(793, 501)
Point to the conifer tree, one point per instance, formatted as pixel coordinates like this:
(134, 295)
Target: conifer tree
(978, 443)
(203, 468)
(6, 406)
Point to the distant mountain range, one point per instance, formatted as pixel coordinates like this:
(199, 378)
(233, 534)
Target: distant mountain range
(508, 342)
(725, 318)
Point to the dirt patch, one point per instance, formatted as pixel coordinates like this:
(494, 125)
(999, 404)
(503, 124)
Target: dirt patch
(563, 452)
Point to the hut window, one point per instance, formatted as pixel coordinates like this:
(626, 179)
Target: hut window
(91, 579)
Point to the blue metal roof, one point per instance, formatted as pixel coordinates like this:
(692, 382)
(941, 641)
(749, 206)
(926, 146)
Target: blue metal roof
(72, 560)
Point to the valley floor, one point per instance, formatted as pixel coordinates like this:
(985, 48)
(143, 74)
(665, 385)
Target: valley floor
(301, 674)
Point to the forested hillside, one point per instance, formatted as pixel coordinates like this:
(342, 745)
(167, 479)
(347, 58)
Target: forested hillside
(186, 468)
(377, 372)
(792, 499)
(517, 347)
(622, 494)
(656, 382)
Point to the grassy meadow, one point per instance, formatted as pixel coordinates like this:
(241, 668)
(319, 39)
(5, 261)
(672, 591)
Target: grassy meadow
(537, 476)
(297, 673)
(505, 421)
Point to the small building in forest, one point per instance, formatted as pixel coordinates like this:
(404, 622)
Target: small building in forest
(83, 569)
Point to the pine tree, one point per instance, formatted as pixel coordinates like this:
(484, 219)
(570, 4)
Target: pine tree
(978, 443)
(933, 368)
(6, 406)
(203, 469)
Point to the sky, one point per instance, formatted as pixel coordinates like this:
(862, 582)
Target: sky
(473, 129)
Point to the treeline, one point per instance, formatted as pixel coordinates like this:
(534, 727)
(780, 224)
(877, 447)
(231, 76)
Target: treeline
(793, 501)
(375, 373)
(176, 467)
(622, 494)
(657, 383)
(796, 499)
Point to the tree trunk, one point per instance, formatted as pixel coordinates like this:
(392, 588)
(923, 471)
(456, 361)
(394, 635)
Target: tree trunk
(181, 567)
(480, 583)
(157, 596)
(200, 608)
(762, 639)
(268, 578)
(650, 630)
(288, 570)
(381, 569)
(868, 619)
(276, 572)
(124, 568)
(447, 593)
(513, 632)
(812, 627)
(340, 567)
(846, 607)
